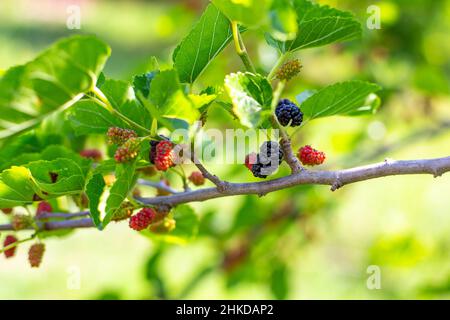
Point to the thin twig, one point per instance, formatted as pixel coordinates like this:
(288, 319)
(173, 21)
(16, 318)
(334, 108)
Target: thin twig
(157, 185)
(51, 215)
(221, 185)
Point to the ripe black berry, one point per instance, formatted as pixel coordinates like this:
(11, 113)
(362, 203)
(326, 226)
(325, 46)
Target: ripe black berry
(257, 169)
(270, 153)
(267, 161)
(287, 111)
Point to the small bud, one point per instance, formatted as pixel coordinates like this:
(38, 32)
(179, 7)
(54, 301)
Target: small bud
(197, 178)
(93, 154)
(119, 136)
(21, 221)
(289, 70)
(35, 254)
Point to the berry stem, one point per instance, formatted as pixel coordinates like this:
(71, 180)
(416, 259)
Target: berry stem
(102, 100)
(157, 185)
(240, 48)
(15, 244)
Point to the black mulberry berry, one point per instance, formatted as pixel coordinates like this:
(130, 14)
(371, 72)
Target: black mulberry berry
(270, 153)
(287, 111)
(257, 169)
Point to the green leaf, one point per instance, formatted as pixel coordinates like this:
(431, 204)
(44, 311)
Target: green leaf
(94, 191)
(204, 42)
(126, 178)
(88, 117)
(70, 178)
(251, 13)
(283, 20)
(26, 148)
(251, 95)
(318, 26)
(122, 97)
(169, 97)
(55, 80)
(143, 82)
(40, 179)
(346, 98)
(16, 187)
(279, 283)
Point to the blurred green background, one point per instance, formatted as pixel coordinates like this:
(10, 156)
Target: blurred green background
(306, 242)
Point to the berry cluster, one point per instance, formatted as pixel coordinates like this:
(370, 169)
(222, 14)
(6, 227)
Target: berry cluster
(21, 221)
(35, 254)
(128, 151)
(142, 219)
(9, 240)
(197, 178)
(267, 161)
(119, 136)
(289, 70)
(93, 154)
(162, 155)
(288, 112)
(310, 157)
(43, 207)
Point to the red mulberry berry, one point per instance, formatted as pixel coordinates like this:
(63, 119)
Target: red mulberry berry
(250, 160)
(7, 210)
(119, 136)
(197, 178)
(289, 70)
(128, 151)
(164, 155)
(310, 157)
(20, 222)
(142, 219)
(35, 254)
(43, 206)
(93, 154)
(8, 241)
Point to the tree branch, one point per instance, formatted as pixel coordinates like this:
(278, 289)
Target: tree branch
(335, 179)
